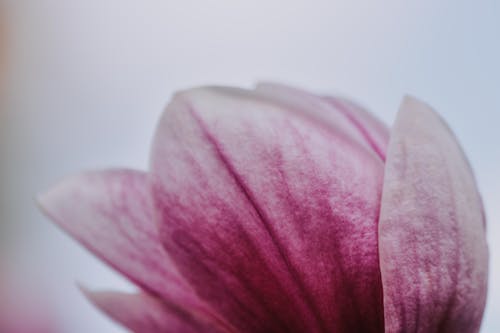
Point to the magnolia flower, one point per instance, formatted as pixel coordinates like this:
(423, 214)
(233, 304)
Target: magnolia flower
(275, 210)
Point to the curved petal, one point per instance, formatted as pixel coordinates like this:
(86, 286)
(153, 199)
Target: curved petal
(336, 113)
(433, 252)
(142, 313)
(272, 218)
(110, 213)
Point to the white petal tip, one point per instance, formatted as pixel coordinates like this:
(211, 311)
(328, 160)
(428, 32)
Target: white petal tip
(50, 201)
(45, 201)
(413, 105)
(415, 113)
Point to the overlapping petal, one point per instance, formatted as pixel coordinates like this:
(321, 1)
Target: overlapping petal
(277, 210)
(373, 130)
(271, 217)
(433, 253)
(110, 213)
(147, 314)
(337, 114)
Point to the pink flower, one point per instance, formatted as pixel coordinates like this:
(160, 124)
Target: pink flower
(275, 210)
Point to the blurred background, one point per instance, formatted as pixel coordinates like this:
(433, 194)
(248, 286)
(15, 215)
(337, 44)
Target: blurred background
(83, 83)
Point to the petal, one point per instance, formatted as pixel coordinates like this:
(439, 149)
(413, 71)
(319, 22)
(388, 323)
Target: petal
(433, 250)
(271, 216)
(142, 313)
(373, 130)
(338, 114)
(110, 213)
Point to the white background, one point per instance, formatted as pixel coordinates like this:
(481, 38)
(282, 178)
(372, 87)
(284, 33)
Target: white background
(86, 81)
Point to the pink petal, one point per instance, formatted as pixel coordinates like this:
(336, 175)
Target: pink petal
(338, 114)
(110, 213)
(142, 313)
(433, 251)
(373, 130)
(271, 216)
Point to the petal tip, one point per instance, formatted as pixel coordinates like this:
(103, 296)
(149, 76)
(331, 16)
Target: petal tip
(83, 288)
(98, 298)
(412, 104)
(90, 295)
(415, 113)
(48, 201)
(56, 197)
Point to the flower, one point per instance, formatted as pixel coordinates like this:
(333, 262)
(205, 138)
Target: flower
(276, 210)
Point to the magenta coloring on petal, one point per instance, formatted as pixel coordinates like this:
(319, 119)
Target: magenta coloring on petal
(278, 210)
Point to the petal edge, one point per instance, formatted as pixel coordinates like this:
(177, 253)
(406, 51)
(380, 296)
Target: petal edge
(433, 251)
